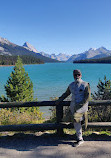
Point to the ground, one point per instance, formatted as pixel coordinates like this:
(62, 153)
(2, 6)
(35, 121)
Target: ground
(52, 146)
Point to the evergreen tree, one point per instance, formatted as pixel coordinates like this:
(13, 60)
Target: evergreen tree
(18, 86)
(101, 113)
(103, 90)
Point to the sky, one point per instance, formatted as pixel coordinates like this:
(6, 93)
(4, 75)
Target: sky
(57, 26)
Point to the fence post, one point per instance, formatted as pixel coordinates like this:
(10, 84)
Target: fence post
(59, 116)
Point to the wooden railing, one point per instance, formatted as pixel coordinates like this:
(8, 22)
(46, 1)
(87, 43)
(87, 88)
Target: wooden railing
(59, 125)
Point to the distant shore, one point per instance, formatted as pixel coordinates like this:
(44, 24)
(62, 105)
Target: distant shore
(23, 64)
(6, 65)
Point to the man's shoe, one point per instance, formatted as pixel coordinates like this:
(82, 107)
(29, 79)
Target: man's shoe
(78, 143)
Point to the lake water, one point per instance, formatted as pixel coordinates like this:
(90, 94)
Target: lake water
(52, 79)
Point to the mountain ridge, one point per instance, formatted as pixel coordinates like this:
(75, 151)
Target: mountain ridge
(9, 48)
(91, 54)
(59, 57)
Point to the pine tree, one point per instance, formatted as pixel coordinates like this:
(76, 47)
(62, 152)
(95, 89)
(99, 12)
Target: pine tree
(18, 86)
(101, 113)
(103, 90)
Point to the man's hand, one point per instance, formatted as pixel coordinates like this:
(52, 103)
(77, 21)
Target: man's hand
(57, 102)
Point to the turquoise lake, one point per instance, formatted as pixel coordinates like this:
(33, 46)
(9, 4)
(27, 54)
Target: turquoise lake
(52, 79)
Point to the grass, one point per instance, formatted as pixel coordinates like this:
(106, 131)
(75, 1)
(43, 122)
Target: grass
(72, 132)
(88, 132)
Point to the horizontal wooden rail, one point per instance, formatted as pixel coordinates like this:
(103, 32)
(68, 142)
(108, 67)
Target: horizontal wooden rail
(51, 126)
(50, 103)
(30, 127)
(59, 125)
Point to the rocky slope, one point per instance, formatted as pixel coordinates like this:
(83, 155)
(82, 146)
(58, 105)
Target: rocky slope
(9, 48)
(91, 54)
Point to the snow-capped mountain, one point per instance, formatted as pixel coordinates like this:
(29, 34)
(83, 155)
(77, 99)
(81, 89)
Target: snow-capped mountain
(5, 41)
(91, 54)
(4, 50)
(60, 57)
(30, 47)
(9, 48)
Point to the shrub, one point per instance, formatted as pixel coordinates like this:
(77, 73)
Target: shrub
(101, 113)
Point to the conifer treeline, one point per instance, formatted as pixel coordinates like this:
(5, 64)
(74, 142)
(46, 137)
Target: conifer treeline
(101, 60)
(11, 60)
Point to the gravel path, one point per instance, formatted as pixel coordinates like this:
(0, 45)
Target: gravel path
(51, 146)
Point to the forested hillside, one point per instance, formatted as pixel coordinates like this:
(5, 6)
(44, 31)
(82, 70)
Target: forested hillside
(101, 60)
(8, 48)
(11, 60)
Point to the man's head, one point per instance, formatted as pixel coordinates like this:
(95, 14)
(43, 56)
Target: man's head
(77, 75)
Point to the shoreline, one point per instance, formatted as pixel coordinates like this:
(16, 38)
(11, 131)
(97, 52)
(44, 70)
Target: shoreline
(14, 65)
(6, 65)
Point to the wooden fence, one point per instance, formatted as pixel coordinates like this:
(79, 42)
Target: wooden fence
(59, 125)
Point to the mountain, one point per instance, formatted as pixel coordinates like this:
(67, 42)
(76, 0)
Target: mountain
(3, 49)
(9, 48)
(91, 54)
(30, 47)
(59, 57)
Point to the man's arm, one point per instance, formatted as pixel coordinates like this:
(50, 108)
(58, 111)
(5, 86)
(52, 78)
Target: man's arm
(63, 96)
(87, 93)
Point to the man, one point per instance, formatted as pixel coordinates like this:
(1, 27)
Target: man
(80, 91)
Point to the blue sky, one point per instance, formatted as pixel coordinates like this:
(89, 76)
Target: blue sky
(57, 26)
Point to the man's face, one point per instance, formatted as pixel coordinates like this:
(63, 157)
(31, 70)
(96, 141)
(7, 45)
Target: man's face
(77, 76)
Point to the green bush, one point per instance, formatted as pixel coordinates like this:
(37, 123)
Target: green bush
(9, 117)
(101, 113)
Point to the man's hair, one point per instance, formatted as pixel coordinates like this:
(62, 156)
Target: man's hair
(77, 71)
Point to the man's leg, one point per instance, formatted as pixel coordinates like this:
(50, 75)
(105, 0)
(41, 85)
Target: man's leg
(78, 129)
